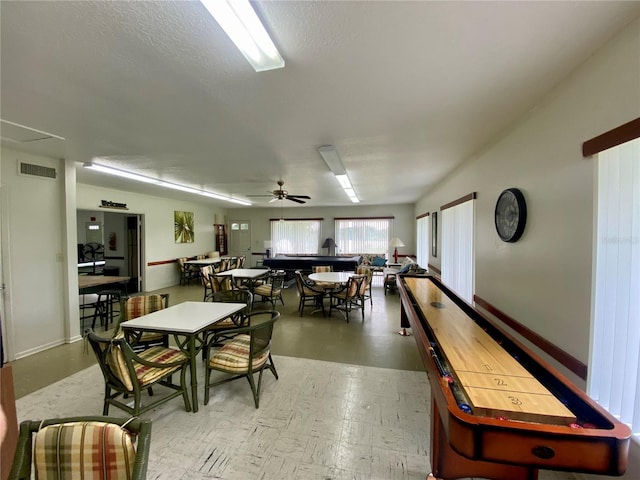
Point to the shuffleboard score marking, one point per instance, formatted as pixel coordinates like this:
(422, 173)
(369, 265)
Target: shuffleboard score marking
(493, 381)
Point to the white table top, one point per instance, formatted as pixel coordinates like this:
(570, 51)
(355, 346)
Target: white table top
(204, 261)
(245, 272)
(187, 317)
(331, 277)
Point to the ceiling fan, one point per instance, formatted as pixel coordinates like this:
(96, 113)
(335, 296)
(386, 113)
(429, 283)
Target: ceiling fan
(281, 194)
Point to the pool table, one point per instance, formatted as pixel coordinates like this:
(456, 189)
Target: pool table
(306, 263)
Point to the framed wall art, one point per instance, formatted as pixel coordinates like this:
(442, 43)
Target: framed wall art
(183, 227)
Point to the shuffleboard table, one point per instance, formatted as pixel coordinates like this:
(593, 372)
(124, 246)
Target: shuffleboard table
(498, 410)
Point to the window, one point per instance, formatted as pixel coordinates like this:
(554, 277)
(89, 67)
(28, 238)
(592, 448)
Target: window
(295, 236)
(422, 239)
(613, 380)
(458, 262)
(363, 235)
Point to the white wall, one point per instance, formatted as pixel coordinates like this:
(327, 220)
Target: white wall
(159, 242)
(404, 222)
(544, 280)
(32, 255)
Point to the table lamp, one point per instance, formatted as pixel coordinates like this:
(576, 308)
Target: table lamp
(328, 244)
(395, 243)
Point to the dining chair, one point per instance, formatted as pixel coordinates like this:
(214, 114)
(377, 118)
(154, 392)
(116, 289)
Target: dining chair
(272, 290)
(186, 273)
(134, 307)
(348, 298)
(324, 268)
(308, 292)
(220, 282)
(82, 447)
(224, 329)
(368, 272)
(248, 353)
(127, 373)
(205, 278)
(224, 264)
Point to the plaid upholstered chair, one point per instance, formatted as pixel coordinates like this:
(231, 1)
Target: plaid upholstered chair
(271, 291)
(82, 447)
(134, 307)
(127, 373)
(223, 330)
(205, 278)
(186, 273)
(221, 282)
(368, 272)
(349, 298)
(309, 294)
(324, 268)
(247, 354)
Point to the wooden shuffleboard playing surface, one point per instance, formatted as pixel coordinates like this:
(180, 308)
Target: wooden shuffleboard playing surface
(494, 383)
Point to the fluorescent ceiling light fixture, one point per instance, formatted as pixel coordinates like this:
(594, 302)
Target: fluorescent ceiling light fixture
(162, 183)
(120, 173)
(344, 182)
(240, 22)
(330, 156)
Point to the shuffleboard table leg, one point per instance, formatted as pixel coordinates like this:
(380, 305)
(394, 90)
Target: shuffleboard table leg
(447, 464)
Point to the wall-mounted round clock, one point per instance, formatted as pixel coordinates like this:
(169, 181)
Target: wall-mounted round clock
(510, 215)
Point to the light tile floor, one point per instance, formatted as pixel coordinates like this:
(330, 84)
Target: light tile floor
(320, 420)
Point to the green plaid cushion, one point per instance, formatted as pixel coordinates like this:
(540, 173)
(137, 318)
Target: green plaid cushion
(234, 356)
(83, 450)
(226, 323)
(138, 306)
(147, 375)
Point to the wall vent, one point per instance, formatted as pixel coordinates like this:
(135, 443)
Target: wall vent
(37, 170)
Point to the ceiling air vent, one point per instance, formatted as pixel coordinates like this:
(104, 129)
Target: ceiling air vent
(37, 170)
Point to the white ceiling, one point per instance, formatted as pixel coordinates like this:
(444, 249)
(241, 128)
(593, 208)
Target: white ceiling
(404, 90)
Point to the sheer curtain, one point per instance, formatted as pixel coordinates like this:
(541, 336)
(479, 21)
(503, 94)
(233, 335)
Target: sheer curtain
(458, 261)
(295, 236)
(422, 240)
(615, 351)
(363, 235)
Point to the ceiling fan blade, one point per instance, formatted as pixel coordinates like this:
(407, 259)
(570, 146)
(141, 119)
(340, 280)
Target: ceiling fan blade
(271, 195)
(295, 199)
(306, 197)
(274, 199)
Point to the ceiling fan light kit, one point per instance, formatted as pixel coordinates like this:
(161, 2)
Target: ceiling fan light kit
(280, 194)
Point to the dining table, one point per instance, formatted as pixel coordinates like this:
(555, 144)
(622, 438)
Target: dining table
(188, 322)
(330, 281)
(331, 277)
(251, 275)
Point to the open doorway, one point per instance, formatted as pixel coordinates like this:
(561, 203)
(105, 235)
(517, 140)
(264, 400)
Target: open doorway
(110, 243)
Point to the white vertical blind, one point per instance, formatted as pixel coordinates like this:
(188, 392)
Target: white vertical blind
(422, 241)
(458, 261)
(615, 351)
(295, 236)
(363, 235)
